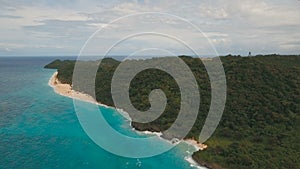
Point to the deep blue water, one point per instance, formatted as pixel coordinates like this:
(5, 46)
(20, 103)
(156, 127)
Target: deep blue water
(40, 129)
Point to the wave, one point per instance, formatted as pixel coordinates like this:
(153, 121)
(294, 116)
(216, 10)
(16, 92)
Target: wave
(54, 83)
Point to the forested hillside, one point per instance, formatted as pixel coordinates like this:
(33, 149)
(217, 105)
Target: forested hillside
(261, 122)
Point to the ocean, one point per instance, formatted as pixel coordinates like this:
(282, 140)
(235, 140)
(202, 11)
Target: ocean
(40, 129)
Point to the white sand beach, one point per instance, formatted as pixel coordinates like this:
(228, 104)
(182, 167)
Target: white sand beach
(196, 144)
(66, 90)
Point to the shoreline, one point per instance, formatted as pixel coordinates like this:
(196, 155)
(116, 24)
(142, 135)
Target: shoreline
(67, 91)
(196, 144)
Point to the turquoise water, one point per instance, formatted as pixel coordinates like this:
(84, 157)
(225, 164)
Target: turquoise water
(40, 129)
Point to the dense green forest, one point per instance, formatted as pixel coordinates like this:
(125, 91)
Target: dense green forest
(260, 125)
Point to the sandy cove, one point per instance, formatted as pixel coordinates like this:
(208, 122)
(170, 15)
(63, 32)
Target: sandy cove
(66, 90)
(196, 144)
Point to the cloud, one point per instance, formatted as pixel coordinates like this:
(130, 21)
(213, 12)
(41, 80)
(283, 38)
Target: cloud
(59, 28)
(235, 26)
(10, 16)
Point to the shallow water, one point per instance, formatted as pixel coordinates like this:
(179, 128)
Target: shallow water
(40, 129)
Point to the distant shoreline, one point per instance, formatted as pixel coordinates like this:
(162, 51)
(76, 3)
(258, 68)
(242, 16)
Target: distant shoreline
(67, 91)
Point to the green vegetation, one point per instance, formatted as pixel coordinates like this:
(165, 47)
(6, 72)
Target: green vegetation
(260, 125)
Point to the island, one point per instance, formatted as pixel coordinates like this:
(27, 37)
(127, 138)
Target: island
(261, 121)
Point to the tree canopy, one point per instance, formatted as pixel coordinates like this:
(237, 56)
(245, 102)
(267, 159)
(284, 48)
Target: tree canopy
(260, 124)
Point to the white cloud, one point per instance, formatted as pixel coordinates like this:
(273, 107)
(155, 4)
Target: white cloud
(232, 26)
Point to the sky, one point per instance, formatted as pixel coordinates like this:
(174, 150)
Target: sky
(62, 28)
